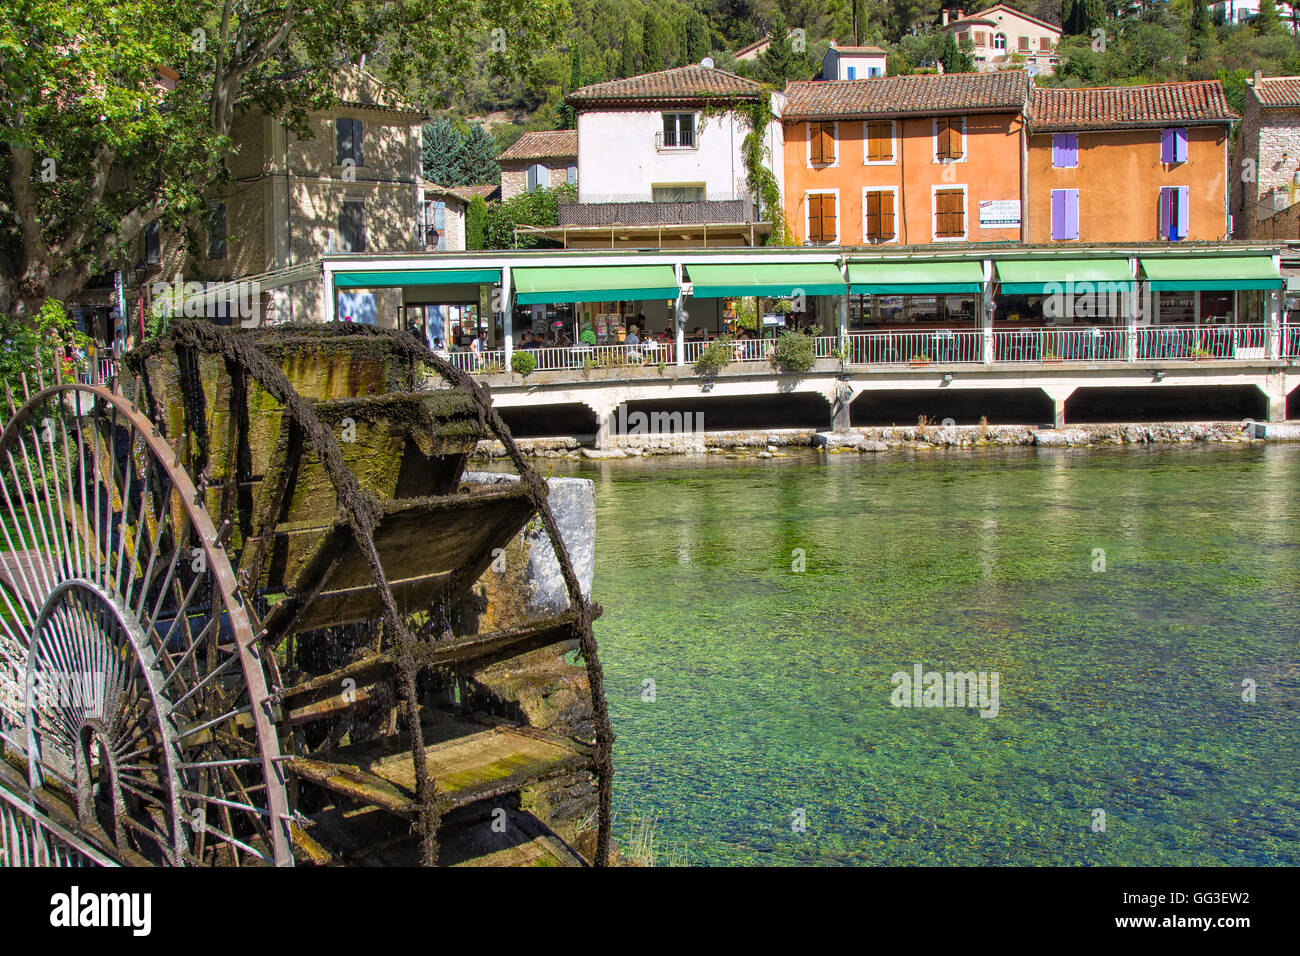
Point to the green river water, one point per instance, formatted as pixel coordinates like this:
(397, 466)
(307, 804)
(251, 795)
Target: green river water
(1120, 690)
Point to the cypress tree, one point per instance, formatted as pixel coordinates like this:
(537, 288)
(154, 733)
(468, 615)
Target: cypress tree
(627, 65)
(652, 51)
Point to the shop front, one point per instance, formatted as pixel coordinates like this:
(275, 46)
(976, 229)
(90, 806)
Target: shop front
(1054, 309)
(915, 312)
(1209, 307)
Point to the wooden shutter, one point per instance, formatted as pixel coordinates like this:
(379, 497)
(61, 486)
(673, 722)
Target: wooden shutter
(823, 143)
(950, 213)
(828, 218)
(948, 137)
(815, 218)
(880, 142)
(873, 217)
(886, 215)
(815, 143)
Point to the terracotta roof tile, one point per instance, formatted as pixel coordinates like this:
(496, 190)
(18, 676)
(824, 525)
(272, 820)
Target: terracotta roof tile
(1277, 92)
(1196, 103)
(683, 83)
(547, 144)
(921, 94)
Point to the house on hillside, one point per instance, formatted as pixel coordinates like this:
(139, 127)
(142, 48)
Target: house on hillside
(752, 51)
(929, 158)
(661, 161)
(539, 160)
(1236, 12)
(1266, 162)
(1129, 164)
(853, 62)
(1002, 37)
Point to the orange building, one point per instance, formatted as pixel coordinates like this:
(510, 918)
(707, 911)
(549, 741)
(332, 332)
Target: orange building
(1129, 164)
(906, 159)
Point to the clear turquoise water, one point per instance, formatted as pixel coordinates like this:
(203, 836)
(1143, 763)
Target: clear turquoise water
(1120, 690)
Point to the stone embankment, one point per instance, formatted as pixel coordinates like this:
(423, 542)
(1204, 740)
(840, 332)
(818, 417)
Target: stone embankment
(769, 442)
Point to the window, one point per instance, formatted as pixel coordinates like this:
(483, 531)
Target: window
(217, 230)
(571, 174)
(999, 41)
(1065, 150)
(1174, 212)
(823, 219)
(821, 144)
(878, 215)
(949, 139)
(873, 71)
(1044, 44)
(437, 213)
(677, 193)
(981, 38)
(347, 141)
(539, 177)
(1022, 44)
(679, 130)
(152, 244)
(880, 141)
(1173, 145)
(1065, 214)
(352, 227)
(853, 72)
(950, 213)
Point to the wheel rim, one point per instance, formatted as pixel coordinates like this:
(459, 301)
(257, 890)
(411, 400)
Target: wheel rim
(126, 653)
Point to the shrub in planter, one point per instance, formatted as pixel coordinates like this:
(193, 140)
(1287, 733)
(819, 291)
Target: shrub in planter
(524, 363)
(715, 356)
(794, 352)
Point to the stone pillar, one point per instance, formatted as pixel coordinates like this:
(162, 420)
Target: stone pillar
(604, 409)
(329, 298)
(1134, 308)
(841, 402)
(1058, 394)
(1274, 322)
(1274, 387)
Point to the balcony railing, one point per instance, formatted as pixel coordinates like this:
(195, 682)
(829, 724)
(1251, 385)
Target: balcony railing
(648, 213)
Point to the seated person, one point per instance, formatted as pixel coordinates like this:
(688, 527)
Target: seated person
(588, 336)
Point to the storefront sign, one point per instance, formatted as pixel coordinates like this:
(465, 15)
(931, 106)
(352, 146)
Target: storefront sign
(999, 213)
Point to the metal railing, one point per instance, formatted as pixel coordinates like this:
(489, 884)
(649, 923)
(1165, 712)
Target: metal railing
(1203, 342)
(942, 346)
(644, 212)
(1291, 341)
(1097, 344)
(468, 361)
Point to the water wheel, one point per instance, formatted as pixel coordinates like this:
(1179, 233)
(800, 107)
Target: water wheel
(133, 694)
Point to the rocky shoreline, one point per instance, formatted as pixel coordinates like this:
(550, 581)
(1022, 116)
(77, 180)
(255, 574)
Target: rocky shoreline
(768, 443)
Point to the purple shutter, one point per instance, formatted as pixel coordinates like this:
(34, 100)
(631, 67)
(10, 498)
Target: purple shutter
(1180, 146)
(1166, 146)
(1164, 212)
(1071, 213)
(1065, 150)
(1058, 214)
(1183, 200)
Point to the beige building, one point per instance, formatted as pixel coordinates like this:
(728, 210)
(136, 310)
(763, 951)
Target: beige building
(538, 161)
(1002, 36)
(355, 185)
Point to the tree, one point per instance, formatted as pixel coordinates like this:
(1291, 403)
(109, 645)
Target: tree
(780, 63)
(1199, 20)
(1266, 22)
(476, 162)
(476, 214)
(538, 208)
(627, 54)
(953, 58)
(697, 37)
(94, 145)
(441, 145)
(1083, 17)
(652, 51)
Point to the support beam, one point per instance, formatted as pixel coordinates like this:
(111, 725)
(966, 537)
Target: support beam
(1059, 393)
(508, 317)
(984, 314)
(1274, 387)
(679, 319)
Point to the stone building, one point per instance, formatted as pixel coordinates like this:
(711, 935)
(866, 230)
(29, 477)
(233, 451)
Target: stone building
(355, 184)
(539, 160)
(1265, 177)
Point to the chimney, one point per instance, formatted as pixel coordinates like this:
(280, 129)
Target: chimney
(1259, 77)
(945, 16)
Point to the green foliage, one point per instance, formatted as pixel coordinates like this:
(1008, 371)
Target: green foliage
(627, 53)
(539, 208)
(794, 352)
(1266, 23)
(715, 356)
(697, 37)
(453, 158)
(476, 215)
(476, 162)
(1081, 17)
(780, 62)
(953, 58)
(39, 344)
(523, 362)
(652, 51)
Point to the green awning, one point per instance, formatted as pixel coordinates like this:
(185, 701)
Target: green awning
(396, 280)
(1044, 276)
(915, 278)
(778, 280)
(593, 284)
(1210, 272)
